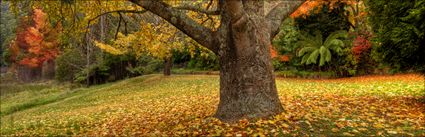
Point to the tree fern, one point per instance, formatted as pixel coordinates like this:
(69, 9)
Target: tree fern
(314, 48)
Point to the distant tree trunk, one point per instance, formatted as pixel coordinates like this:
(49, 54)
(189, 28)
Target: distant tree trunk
(102, 33)
(28, 74)
(88, 42)
(168, 64)
(48, 70)
(320, 70)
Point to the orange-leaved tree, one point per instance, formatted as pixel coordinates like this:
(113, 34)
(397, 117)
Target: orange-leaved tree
(35, 44)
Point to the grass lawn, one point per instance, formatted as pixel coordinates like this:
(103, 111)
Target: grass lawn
(155, 105)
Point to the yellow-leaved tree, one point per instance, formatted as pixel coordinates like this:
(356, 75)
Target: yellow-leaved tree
(240, 39)
(158, 39)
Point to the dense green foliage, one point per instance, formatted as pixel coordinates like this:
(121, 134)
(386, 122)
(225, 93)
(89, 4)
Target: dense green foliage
(145, 65)
(199, 59)
(69, 64)
(110, 68)
(324, 19)
(399, 27)
(8, 25)
(300, 33)
(285, 45)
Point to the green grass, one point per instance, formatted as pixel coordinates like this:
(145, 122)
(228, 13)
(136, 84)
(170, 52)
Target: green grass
(19, 97)
(154, 105)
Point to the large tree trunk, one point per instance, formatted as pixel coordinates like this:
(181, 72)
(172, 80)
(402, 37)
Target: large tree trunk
(247, 85)
(168, 64)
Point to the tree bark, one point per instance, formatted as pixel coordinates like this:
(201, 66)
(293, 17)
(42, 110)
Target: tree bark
(247, 85)
(168, 64)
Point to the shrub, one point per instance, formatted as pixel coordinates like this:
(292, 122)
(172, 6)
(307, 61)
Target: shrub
(146, 65)
(197, 59)
(69, 64)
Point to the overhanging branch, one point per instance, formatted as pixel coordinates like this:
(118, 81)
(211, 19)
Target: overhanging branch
(115, 11)
(181, 21)
(118, 11)
(280, 12)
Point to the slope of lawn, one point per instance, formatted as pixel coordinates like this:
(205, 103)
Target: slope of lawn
(155, 105)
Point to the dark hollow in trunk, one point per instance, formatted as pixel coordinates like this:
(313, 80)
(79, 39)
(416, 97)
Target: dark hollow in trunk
(168, 64)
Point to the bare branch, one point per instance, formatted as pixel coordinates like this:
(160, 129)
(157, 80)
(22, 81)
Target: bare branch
(119, 25)
(181, 21)
(280, 12)
(125, 28)
(118, 11)
(109, 12)
(209, 4)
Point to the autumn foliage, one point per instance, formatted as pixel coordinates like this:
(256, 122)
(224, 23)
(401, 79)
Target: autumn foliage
(184, 105)
(274, 54)
(36, 41)
(361, 45)
(309, 5)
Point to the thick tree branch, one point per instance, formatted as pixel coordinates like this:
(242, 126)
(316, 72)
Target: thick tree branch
(235, 8)
(181, 21)
(200, 10)
(280, 12)
(209, 4)
(238, 15)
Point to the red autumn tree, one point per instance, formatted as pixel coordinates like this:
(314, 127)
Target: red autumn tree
(40, 41)
(35, 43)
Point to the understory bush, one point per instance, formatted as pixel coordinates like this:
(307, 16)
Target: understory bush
(69, 64)
(199, 59)
(356, 54)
